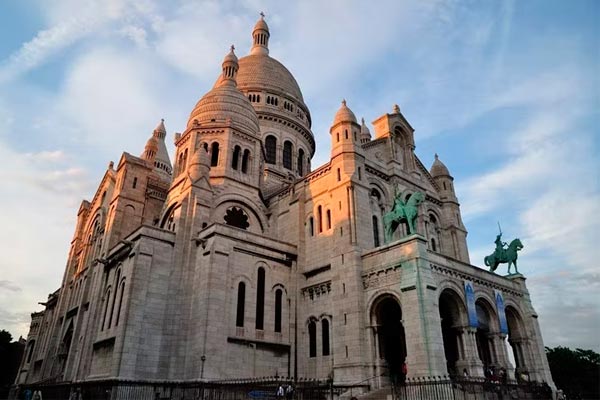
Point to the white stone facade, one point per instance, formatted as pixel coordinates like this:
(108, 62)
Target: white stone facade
(241, 261)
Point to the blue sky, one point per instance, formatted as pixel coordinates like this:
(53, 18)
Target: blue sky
(506, 92)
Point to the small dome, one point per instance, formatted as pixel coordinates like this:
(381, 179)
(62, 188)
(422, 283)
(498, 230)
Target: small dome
(438, 168)
(344, 114)
(364, 130)
(226, 102)
(222, 103)
(231, 57)
(261, 24)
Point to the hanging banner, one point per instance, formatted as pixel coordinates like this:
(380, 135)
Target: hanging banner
(471, 310)
(501, 313)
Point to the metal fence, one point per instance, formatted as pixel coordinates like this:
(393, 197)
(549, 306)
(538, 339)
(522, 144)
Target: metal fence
(430, 388)
(263, 388)
(446, 388)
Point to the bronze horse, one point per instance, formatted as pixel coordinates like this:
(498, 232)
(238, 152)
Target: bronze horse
(508, 255)
(401, 211)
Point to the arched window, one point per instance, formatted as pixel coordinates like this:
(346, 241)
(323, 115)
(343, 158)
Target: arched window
(241, 304)
(278, 301)
(30, 347)
(328, 219)
(107, 301)
(120, 303)
(433, 246)
(287, 154)
(311, 226)
(114, 302)
(320, 218)
(300, 162)
(214, 156)
(245, 161)
(325, 336)
(375, 231)
(260, 299)
(236, 157)
(312, 339)
(271, 149)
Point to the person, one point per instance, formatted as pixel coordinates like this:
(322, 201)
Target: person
(499, 244)
(280, 392)
(289, 391)
(503, 376)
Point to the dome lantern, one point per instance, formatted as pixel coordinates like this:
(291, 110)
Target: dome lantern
(230, 68)
(260, 36)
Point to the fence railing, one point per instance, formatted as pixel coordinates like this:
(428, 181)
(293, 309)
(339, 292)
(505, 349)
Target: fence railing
(448, 388)
(429, 388)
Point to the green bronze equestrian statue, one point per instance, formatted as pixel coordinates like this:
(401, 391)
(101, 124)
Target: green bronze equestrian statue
(504, 254)
(402, 211)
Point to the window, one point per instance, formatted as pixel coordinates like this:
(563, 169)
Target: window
(339, 175)
(300, 162)
(236, 157)
(245, 160)
(444, 185)
(375, 231)
(107, 300)
(120, 303)
(278, 300)
(325, 337)
(433, 246)
(320, 218)
(312, 339)
(271, 149)
(241, 303)
(359, 173)
(328, 219)
(311, 226)
(337, 136)
(30, 347)
(287, 154)
(134, 182)
(260, 299)
(346, 133)
(214, 156)
(235, 216)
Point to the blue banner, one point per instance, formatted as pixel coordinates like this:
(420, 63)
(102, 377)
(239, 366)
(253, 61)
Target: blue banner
(471, 310)
(501, 313)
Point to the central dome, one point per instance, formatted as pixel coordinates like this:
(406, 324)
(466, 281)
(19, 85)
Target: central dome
(263, 72)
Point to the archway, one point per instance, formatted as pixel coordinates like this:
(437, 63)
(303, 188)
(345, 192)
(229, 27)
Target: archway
(516, 334)
(391, 340)
(452, 312)
(484, 322)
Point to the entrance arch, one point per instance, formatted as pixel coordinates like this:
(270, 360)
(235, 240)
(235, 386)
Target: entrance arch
(516, 336)
(485, 318)
(390, 339)
(453, 318)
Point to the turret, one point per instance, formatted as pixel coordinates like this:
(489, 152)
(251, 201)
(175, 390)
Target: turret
(344, 132)
(365, 134)
(455, 234)
(155, 152)
(260, 36)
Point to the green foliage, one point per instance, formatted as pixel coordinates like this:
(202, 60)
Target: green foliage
(5, 337)
(576, 372)
(10, 357)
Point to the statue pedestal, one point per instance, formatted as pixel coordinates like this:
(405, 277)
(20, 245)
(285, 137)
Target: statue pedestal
(520, 278)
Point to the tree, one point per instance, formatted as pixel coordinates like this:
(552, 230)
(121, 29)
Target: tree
(576, 371)
(10, 356)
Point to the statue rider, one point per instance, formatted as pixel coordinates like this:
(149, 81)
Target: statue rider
(500, 245)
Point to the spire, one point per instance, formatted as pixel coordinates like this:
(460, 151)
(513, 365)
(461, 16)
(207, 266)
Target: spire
(160, 129)
(155, 151)
(260, 37)
(230, 68)
(365, 134)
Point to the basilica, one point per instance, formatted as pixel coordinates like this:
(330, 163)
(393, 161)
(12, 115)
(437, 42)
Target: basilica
(239, 258)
